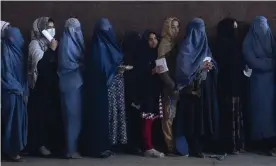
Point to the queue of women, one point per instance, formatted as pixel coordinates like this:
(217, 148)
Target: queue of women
(64, 99)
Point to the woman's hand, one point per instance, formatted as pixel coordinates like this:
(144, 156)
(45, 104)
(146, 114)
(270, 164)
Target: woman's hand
(54, 44)
(207, 65)
(121, 70)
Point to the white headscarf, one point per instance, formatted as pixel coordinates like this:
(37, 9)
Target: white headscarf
(37, 47)
(36, 34)
(167, 42)
(4, 26)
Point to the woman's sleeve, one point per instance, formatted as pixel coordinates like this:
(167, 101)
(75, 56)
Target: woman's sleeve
(261, 64)
(167, 80)
(34, 55)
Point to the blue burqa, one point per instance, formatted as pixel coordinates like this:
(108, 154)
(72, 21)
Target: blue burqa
(190, 58)
(259, 55)
(192, 53)
(70, 55)
(14, 93)
(101, 67)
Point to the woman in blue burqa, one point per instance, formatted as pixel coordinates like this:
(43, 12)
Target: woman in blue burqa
(105, 121)
(14, 94)
(196, 74)
(259, 55)
(70, 59)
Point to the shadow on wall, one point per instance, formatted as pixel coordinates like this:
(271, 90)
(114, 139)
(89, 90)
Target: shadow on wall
(138, 16)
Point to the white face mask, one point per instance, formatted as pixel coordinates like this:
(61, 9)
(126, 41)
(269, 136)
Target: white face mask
(52, 31)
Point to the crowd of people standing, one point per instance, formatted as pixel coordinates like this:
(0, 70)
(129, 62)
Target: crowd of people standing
(69, 99)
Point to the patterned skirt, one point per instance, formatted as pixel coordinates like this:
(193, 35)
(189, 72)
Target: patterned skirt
(117, 117)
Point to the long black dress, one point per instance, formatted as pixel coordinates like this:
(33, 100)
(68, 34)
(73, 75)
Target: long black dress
(197, 113)
(44, 107)
(130, 47)
(230, 85)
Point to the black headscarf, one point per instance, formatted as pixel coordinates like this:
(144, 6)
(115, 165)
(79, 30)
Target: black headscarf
(229, 56)
(130, 46)
(147, 55)
(226, 30)
(148, 85)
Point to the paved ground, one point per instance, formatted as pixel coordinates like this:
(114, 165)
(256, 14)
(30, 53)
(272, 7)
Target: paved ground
(130, 160)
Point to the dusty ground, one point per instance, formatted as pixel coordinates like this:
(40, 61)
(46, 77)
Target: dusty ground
(131, 160)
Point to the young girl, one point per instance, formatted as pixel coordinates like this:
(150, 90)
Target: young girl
(148, 91)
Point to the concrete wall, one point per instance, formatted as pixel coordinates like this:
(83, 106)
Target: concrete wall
(134, 15)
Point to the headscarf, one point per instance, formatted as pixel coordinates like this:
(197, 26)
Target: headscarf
(147, 54)
(71, 47)
(228, 44)
(4, 26)
(130, 46)
(259, 41)
(36, 34)
(106, 54)
(70, 55)
(130, 41)
(226, 28)
(13, 77)
(147, 86)
(167, 41)
(192, 52)
(228, 53)
(37, 47)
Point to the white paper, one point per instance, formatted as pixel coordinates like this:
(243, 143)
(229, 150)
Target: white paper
(135, 106)
(127, 67)
(47, 35)
(247, 72)
(207, 59)
(162, 62)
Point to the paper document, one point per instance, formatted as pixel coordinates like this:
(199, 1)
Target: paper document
(163, 63)
(247, 72)
(47, 35)
(207, 59)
